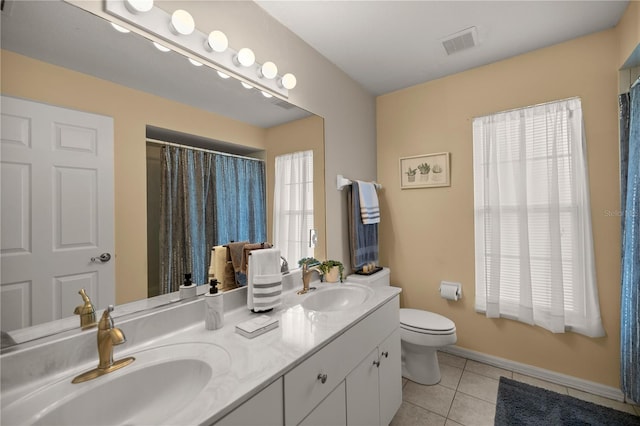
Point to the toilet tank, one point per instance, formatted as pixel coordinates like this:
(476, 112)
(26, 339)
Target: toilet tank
(380, 278)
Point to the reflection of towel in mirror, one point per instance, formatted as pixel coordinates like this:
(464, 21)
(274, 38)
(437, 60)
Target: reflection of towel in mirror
(222, 269)
(229, 279)
(264, 280)
(247, 249)
(369, 208)
(212, 264)
(363, 239)
(235, 254)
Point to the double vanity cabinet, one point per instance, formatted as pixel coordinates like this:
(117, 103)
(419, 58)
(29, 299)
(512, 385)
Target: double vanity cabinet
(355, 379)
(335, 361)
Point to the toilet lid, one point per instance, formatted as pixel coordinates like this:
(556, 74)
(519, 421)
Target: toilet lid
(425, 320)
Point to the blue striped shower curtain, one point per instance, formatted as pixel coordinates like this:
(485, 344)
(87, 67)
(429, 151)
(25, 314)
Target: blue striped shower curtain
(206, 199)
(241, 211)
(630, 208)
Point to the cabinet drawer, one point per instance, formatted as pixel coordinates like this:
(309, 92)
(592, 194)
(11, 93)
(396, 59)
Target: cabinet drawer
(360, 339)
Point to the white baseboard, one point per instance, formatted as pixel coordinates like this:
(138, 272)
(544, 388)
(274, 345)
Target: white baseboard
(539, 373)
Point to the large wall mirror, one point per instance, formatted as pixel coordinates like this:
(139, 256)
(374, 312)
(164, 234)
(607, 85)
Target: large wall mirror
(58, 54)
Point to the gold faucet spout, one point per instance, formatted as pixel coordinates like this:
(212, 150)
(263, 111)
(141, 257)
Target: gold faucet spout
(108, 337)
(306, 277)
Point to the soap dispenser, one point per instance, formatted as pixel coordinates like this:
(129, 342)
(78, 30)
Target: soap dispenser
(214, 307)
(187, 289)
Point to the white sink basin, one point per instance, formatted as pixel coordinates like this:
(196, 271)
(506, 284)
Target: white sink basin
(154, 389)
(338, 298)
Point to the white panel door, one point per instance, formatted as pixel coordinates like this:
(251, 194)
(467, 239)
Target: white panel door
(56, 171)
(332, 411)
(362, 392)
(390, 374)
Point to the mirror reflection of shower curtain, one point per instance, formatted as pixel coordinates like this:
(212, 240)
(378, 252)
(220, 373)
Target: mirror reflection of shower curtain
(630, 265)
(186, 230)
(206, 199)
(241, 200)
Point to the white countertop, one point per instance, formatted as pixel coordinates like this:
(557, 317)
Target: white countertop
(253, 363)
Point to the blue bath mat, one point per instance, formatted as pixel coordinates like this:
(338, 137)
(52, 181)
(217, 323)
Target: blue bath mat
(522, 404)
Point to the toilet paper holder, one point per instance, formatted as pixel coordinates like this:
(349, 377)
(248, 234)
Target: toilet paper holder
(450, 290)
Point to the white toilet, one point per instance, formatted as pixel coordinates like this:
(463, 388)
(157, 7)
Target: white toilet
(422, 333)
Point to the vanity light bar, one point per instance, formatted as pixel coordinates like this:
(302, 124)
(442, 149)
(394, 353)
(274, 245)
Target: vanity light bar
(158, 22)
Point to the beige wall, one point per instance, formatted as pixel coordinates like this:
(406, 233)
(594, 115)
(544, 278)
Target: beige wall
(299, 135)
(426, 235)
(628, 31)
(131, 110)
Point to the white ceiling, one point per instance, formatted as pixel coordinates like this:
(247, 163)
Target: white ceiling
(384, 45)
(390, 45)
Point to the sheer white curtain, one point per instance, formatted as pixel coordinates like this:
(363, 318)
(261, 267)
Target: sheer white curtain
(533, 239)
(293, 205)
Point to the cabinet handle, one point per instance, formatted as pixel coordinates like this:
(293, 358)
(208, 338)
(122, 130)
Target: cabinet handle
(376, 363)
(322, 377)
(385, 354)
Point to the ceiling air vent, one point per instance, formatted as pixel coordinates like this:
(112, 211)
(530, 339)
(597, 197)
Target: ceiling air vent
(461, 40)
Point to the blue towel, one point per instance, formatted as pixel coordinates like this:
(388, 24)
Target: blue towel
(363, 239)
(369, 208)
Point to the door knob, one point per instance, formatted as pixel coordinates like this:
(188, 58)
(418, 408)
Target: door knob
(104, 257)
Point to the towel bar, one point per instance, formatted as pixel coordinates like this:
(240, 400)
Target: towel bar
(343, 181)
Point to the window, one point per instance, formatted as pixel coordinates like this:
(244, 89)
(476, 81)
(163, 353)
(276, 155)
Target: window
(533, 240)
(293, 205)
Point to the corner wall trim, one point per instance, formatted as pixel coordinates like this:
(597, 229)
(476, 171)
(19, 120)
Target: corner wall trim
(539, 373)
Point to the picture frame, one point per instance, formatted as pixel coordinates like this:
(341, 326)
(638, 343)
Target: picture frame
(425, 171)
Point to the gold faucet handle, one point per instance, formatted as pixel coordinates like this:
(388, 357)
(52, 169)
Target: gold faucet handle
(106, 322)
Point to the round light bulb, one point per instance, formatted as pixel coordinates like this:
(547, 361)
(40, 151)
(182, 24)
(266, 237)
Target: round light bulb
(266, 95)
(161, 47)
(119, 28)
(246, 85)
(182, 22)
(268, 70)
(194, 62)
(246, 57)
(223, 75)
(216, 41)
(138, 6)
(288, 81)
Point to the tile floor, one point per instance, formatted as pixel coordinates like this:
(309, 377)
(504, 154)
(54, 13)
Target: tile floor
(467, 394)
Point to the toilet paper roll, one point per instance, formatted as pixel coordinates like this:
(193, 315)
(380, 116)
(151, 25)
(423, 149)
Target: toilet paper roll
(450, 291)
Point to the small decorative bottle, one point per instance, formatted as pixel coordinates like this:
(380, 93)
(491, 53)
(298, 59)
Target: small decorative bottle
(214, 307)
(187, 290)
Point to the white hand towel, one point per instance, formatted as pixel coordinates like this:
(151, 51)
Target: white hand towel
(264, 281)
(369, 207)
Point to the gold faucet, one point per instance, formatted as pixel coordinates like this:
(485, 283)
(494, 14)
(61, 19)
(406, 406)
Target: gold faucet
(86, 311)
(108, 337)
(306, 276)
